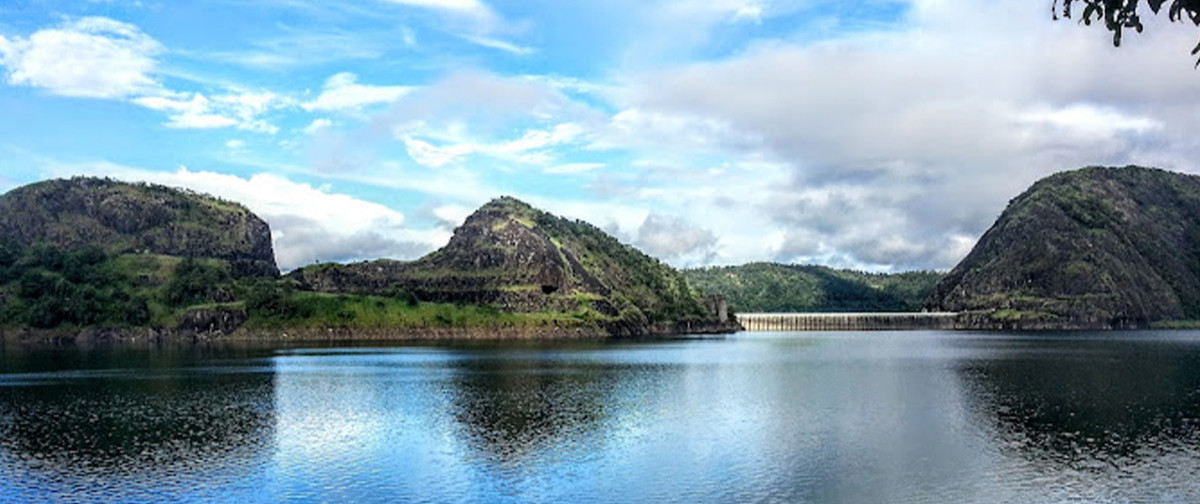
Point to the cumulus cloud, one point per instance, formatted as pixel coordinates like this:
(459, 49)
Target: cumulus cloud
(343, 93)
(89, 57)
(672, 238)
(101, 58)
(903, 142)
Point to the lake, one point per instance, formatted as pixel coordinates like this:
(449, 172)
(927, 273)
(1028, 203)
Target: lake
(892, 417)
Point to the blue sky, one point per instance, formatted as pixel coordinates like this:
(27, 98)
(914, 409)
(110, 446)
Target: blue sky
(880, 135)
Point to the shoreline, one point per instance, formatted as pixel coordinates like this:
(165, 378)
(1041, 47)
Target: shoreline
(98, 336)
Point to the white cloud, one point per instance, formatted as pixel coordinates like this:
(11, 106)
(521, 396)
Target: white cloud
(342, 93)
(318, 125)
(1089, 120)
(530, 148)
(468, 6)
(918, 135)
(196, 111)
(452, 216)
(675, 239)
(427, 154)
(193, 113)
(296, 48)
(88, 57)
(695, 133)
(573, 168)
(235, 144)
(494, 43)
(248, 108)
(101, 58)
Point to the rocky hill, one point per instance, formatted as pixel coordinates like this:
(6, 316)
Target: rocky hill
(1090, 248)
(523, 260)
(137, 218)
(773, 287)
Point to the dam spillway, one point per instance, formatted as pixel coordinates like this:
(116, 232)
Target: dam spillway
(874, 321)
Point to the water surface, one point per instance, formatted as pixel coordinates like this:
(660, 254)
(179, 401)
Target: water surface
(761, 417)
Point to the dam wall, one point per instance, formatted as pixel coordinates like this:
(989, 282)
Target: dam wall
(896, 321)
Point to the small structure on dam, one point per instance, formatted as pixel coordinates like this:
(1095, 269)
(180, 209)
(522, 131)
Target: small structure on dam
(894, 321)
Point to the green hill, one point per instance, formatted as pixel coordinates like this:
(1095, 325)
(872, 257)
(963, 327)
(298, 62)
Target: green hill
(123, 218)
(522, 260)
(1095, 247)
(772, 287)
(113, 260)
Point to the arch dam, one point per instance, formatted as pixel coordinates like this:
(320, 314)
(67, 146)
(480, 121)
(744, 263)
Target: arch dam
(873, 321)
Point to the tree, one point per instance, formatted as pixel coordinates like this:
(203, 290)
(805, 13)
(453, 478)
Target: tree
(195, 282)
(1121, 14)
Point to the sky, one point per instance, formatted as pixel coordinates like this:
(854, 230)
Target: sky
(875, 135)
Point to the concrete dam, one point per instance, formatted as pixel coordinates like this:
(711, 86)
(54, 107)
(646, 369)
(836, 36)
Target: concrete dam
(895, 321)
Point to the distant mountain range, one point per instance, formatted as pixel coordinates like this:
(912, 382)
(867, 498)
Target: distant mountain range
(772, 287)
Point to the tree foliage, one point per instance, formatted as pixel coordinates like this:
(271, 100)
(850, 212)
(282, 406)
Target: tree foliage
(198, 282)
(770, 287)
(48, 288)
(1119, 15)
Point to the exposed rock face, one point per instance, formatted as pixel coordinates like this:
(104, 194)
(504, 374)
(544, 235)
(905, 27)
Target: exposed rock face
(212, 322)
(512, 256)
(1091, 248)
(132, 218)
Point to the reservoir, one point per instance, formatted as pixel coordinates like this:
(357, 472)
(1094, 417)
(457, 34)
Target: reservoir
(871, 416)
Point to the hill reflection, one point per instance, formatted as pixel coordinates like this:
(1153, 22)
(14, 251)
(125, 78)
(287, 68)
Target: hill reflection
(509, 409)
(125, 415)
(1111, 410)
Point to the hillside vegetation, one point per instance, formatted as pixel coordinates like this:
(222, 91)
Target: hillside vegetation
(120, 218)
(1095, 247)
(134, 259)
(772, 287)
(518, 259)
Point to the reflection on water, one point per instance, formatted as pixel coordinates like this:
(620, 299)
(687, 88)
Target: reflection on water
(127, 426)
(838, 417)
(1114, 420)
(509, 410)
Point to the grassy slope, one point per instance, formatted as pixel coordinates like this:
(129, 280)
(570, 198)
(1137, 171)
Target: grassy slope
(149, 277)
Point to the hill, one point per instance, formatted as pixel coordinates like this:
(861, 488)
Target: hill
(518, 259)
(773, 287)
(124, 218)
(95, 259)
(1091, 248)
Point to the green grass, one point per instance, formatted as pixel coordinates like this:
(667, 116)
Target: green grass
(321, 310)
(1176, 324)
(1017, 315)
